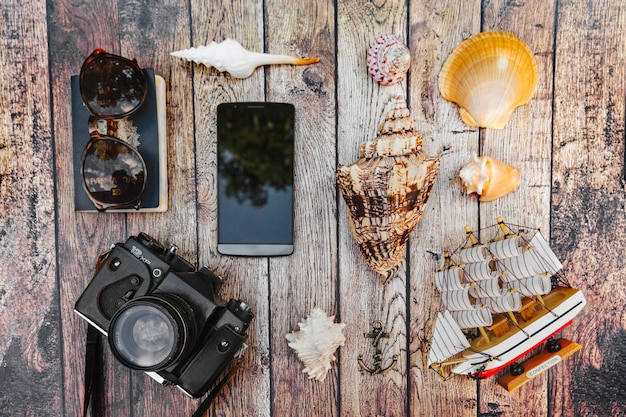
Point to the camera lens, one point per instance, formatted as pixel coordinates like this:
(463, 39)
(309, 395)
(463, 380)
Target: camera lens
(152, 332)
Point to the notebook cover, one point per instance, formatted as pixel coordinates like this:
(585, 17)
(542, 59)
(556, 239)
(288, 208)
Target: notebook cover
(144, 129)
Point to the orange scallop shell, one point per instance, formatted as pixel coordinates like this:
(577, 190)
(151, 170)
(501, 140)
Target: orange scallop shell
(489, 75)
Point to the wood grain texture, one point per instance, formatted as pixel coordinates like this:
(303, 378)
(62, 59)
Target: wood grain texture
(307, 279)
(568, 143)
(436, 29)
(532, 21)
(30, 345)
(147, 32)
(244, 278)
(81, 235)
(588, 201)
(362, 297)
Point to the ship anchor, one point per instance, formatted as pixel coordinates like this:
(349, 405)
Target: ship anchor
(377, 334)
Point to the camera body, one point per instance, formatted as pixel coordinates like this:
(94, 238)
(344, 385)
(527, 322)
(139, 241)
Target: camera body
(162, 316)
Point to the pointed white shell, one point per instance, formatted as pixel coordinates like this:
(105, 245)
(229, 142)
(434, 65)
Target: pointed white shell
(229, 56)
(316, 343)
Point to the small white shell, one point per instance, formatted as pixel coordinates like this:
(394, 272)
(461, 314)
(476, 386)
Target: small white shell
(233, 58)
(316, 342)
(388, 59)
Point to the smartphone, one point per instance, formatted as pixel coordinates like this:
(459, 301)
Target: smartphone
(255, 146)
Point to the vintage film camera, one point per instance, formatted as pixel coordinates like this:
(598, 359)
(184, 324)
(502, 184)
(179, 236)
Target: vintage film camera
(163, 317)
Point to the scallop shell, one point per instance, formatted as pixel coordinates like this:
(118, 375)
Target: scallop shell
(233, 58)
(488, 177)
(316, 343)
(388, 59)
(489, 75)
(386, 190)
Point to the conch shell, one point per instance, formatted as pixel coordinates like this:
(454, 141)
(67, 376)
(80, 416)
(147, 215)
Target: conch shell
(316, 343)
(233, 58)
(388, 59)
(488, 177)
(489, 75)
(386, 190)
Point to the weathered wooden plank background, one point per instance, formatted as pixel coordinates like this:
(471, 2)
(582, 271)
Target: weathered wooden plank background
(568, 143)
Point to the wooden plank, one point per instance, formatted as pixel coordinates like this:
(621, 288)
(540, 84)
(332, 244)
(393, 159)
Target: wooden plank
(308, 278)
(82, 236)
(30, 343)
(525, 143)
(327, 270)
(437, 27)
(148, 34)
(588, 201)
(361, 107)
(245, 278)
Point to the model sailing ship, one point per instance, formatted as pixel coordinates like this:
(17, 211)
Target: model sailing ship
(511, 290)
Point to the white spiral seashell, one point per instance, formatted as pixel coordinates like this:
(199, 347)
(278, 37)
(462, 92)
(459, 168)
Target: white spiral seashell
(229, 56)
(316, 343)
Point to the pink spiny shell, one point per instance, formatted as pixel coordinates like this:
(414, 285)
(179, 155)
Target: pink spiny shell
(388, 59)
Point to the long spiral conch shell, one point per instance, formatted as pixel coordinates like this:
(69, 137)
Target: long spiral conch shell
(229, 56)
(489, 75)
(488, 177)
(316, 343)
(386, 190)
(388, 59)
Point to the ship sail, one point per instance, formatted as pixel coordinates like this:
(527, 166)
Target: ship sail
(537, 258)
(470, 319)
(448, 340)
(457, 300)
(449, 279)
(529, 287)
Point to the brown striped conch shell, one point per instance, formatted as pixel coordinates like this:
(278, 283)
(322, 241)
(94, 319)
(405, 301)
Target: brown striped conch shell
(386, 190)
(489, 75)
(316, 343)
(488, 177)
(388, 59)
(229, 56)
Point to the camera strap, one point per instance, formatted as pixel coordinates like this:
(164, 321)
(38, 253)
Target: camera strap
(92, 364)
(209, 399)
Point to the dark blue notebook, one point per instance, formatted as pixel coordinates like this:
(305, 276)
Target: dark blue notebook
(145, 130)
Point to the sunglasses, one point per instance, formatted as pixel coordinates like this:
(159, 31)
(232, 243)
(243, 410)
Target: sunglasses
(113, 171)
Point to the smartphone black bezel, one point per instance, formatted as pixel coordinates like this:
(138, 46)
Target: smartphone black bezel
(256, 249)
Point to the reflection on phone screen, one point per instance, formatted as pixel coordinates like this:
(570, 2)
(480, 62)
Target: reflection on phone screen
(255, 173)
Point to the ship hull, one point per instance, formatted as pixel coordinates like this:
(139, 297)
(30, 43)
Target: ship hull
(489, 361)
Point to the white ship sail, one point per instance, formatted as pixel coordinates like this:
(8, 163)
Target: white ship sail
(480, 317)
(485, 281)
(449, 279)
(448, 339)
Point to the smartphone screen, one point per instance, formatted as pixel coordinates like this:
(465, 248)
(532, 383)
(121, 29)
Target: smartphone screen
(255, 143)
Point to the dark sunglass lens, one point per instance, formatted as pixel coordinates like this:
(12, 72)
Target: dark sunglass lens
(112, 86)
(114, 173)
